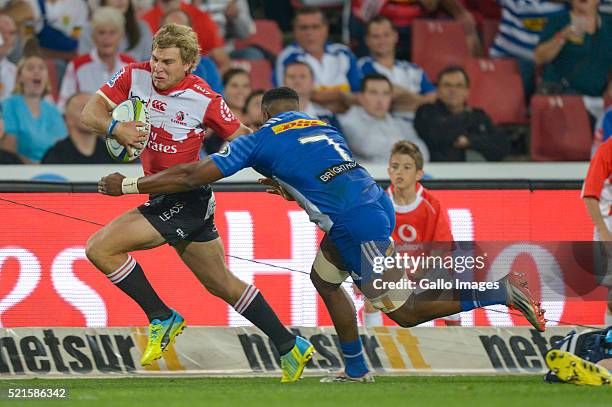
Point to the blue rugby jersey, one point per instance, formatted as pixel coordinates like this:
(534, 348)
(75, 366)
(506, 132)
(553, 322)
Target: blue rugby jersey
(307, 157)
(337, 70)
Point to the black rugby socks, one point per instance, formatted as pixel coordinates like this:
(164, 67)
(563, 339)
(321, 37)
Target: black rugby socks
(130, 278)
(253, 306)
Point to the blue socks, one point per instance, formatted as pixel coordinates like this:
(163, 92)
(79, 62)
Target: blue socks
(353, 358)
(471, 299)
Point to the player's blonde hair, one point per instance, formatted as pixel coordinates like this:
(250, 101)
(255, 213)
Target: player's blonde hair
(411, 149)
(181, 37)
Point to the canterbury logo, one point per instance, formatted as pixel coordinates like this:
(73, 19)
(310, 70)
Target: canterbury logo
(296, 124)
(158, 105)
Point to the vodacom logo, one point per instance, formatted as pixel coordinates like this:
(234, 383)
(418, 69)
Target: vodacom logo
(407, 233)
(65, 283)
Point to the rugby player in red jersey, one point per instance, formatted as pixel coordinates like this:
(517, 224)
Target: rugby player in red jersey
(182, 107)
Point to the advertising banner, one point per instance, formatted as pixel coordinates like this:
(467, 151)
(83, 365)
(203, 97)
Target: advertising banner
(107, 352)
(46, 279)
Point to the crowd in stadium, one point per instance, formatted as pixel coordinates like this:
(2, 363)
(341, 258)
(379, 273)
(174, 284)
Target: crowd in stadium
(464, 80)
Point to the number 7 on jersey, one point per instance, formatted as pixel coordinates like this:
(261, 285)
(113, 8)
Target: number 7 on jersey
(323, 137)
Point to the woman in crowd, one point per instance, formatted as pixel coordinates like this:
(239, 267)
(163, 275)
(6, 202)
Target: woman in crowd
(252, 110)
(138, 37)
(32, 124)
(237, 87)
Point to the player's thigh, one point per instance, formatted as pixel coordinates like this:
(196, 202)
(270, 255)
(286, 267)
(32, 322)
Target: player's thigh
(328, 270)
(331, 252)
(128, 232)
(207, 262)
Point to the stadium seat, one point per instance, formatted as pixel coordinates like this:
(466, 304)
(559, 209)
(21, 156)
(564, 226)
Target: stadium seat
(267, 37)
(488, 33)
(259, 69)
(437, 44)
(560, 129)
(53, 78)
(496, 87)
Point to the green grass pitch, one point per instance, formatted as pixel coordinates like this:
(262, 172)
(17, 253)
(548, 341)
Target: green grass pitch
(422, 391)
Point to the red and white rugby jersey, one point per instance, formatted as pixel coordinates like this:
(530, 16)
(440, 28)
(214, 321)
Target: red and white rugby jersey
(424, 220)
(179, 116)
(598, 182)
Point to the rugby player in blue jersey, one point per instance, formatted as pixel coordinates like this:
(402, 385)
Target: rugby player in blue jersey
(307, 160)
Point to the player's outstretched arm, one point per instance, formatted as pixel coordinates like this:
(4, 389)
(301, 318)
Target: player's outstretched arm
(179, 178)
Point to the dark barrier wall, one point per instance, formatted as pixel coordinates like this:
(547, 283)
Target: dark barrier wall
(41, 186)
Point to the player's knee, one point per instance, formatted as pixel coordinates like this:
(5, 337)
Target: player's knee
(219, 290)
(93, 249)
(224, 288)
(98, 249)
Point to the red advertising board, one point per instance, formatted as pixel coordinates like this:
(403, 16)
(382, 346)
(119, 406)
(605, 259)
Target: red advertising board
(46, 280)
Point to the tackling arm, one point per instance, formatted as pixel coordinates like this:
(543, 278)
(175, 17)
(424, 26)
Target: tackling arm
(179, 178)
(183, 177)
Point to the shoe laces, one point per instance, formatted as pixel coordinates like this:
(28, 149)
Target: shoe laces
(541, 311)
(154, 331)
(522, 282)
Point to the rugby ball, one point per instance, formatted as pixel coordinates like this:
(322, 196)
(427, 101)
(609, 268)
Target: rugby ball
(131, 110)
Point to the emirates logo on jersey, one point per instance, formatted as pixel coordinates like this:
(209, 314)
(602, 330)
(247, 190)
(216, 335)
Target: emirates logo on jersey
(160, 147)
(226, 112)
(158, 105)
